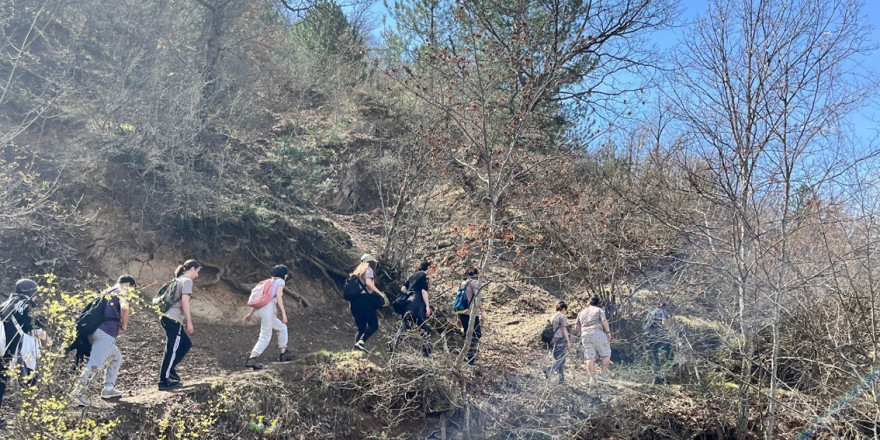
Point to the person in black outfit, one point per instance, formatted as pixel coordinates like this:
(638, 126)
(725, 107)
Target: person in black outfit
(363, 308)
(16, 315)
(418, 307)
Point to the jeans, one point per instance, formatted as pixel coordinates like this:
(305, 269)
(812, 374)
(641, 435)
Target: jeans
(475, 339)
(560, 352)
(103, 347)
(661, 354)
(414, 320)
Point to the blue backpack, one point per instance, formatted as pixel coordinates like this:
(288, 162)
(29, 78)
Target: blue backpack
(462, 305)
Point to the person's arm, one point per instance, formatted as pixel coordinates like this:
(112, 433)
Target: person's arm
(607, 328)
(247, 318)
(565, 331)
(577, 324)
(124, 315)
(385, 301)
(371, 286)
(427, 302)
(279, 295)
(473, 288)
(184, 302)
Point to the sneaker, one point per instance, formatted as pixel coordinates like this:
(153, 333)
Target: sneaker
(168, 386)
(81, 400)
(173, 376)
(592, 381)
(285, 357)
(112, 393)
(546, 373)
(602, 378)
(252, 364)
(360, 345)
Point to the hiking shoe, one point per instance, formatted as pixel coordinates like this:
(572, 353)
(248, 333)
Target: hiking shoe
(285, 357)
(592, 381)
(602, 378)
(173, 376)
(360, 345)
(81, 400)
(168, 386)
(546, 373)
(112, 393)
(252, 364)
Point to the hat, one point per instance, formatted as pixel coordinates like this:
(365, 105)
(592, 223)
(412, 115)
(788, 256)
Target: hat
(367, 258)
(26, 286)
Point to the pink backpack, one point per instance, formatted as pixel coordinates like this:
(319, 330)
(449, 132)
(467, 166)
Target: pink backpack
(261, 294)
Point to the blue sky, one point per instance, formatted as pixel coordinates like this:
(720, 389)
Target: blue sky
(865, 121)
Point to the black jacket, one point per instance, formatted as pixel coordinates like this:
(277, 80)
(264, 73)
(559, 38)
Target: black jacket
(16, 309)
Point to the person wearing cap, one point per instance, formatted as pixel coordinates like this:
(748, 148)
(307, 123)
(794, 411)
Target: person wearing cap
(17, 323)
(418, 307)
(268, 315)
(103, 341)
(656, 333)
(363, 308)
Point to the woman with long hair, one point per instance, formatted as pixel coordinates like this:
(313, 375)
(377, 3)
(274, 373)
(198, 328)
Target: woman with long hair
(363, 308)
(177, 342)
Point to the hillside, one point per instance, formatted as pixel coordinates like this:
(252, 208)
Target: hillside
(518, 138)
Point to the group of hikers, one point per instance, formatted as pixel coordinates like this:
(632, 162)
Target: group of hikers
(22, 333)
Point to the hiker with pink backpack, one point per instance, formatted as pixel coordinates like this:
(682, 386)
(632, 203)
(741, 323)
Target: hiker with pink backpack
(265, 296)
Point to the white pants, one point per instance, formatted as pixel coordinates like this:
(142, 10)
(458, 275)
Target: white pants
(269, 322)
(103, 347)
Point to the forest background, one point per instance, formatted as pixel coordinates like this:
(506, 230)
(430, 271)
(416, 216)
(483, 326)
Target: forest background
(720, 158)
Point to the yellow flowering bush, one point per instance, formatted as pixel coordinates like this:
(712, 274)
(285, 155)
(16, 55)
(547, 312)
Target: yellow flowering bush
(47, 411)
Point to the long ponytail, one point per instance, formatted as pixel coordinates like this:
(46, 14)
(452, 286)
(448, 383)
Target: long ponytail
(187, 265)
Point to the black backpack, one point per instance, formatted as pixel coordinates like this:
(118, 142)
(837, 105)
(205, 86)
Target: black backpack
(401, 301)
(547, 333)
(92, 316)
(353, 288)
(88, 321)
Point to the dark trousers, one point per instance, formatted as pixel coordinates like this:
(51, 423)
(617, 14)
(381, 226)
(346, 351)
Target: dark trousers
(475, 339)
(661, 354)
(366, 321)
(24, 371)
(177, 344)
(410, 321)
(560, 352)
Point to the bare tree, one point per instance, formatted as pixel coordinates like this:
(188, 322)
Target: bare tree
(499, 76)
(762, 87)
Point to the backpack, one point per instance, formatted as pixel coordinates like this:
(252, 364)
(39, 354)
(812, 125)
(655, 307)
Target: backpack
(164, 298)
(353, 288)
(401, 302)
(261, 294)
(461, 305)
(547, 333)
(92, 316)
